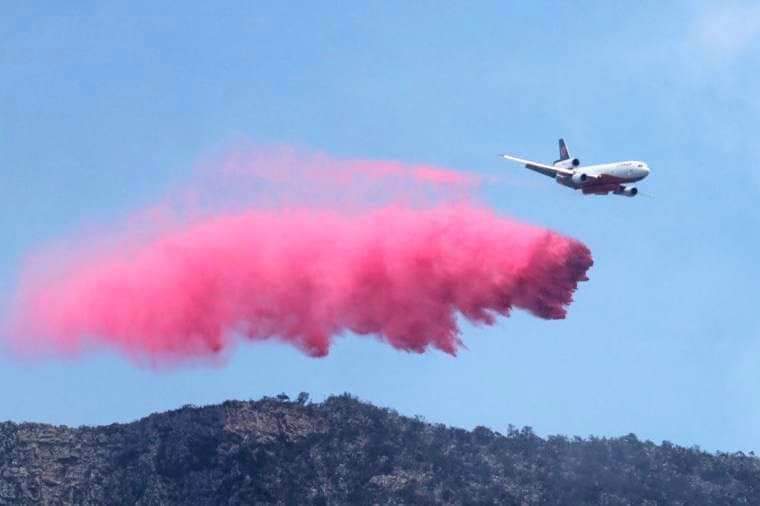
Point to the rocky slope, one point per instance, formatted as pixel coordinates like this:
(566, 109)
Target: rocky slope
(343, 451)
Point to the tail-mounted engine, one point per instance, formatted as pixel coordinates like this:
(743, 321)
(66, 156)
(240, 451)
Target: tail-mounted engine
(567, 164)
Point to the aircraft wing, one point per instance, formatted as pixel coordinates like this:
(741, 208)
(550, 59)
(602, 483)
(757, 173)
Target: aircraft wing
(547, 170)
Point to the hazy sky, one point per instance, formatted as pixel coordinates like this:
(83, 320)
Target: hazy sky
(102, 108)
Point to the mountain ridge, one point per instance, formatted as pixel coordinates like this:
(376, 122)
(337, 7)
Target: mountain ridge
(344, 451)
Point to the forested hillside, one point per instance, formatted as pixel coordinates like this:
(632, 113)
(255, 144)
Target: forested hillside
(343, 451)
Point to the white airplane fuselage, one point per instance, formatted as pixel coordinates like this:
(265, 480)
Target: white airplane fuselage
(600, 179)
(606, 177)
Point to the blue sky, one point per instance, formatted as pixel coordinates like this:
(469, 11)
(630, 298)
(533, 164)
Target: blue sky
(105, 107)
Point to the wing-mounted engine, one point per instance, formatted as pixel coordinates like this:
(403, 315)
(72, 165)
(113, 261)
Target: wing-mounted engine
(626, 191)
(579, 178)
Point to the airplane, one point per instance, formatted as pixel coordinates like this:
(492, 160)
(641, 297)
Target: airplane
(602, 179)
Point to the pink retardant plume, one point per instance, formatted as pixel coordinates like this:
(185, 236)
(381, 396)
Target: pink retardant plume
(302, 277)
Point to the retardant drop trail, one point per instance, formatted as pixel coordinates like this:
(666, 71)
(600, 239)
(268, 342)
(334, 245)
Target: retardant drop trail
(303, 277)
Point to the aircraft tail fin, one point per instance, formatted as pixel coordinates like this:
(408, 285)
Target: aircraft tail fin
(564, 154)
